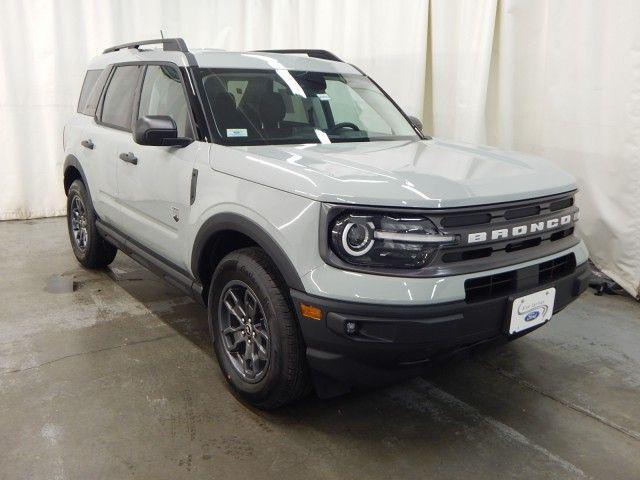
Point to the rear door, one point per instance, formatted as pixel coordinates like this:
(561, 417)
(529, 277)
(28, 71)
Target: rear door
(112, 129)
(155, 192)
(80, 139)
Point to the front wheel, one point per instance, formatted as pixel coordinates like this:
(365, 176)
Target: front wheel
(256, 337)
(91, 250)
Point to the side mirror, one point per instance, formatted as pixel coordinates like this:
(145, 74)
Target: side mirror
(416, 122)
(158, 130)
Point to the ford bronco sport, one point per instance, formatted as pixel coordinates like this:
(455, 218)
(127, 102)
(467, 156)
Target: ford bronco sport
(332, 242)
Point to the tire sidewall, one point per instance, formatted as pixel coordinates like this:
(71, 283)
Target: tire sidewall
(243, 269)
(77, 189)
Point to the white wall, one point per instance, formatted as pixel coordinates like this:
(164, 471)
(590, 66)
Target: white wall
(559, 78)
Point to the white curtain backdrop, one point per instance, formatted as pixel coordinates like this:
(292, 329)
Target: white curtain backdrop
(557, 78)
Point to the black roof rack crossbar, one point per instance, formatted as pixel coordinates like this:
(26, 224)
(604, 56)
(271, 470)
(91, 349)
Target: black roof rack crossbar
(323, 54)
(168, 45)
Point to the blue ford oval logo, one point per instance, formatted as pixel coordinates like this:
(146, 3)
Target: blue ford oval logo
(531, 316)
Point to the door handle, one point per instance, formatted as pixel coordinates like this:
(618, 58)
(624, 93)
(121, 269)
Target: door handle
(87, 144)
(129, 158)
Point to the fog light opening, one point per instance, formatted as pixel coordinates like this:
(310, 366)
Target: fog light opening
(351, 328)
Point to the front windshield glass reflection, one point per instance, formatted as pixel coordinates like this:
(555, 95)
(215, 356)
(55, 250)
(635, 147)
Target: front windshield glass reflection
(258, 107)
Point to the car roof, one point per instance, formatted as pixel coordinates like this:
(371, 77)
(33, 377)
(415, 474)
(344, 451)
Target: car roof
(215, 58)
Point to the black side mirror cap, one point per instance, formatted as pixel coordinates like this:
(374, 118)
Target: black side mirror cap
(158, 130)
(415, 122)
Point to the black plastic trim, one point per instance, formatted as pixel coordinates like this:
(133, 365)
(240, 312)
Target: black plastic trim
(313, 53)
(399, 341)
(194, 186)
(168, 45)
(72, 161)
(195, 94)
(171, 273)
(233, 222)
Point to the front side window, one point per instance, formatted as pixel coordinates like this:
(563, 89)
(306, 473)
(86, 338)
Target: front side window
(257, 107)
(118, 100)
(162, 94)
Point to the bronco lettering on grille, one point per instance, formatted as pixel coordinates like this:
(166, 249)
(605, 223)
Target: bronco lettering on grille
(520, 230)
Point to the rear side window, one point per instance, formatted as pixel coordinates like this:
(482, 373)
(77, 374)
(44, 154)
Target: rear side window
(90, 93)
(118, 101)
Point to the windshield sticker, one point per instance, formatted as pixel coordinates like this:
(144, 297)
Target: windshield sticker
(236, 132)
(323, 96)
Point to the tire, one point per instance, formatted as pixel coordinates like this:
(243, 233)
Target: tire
(91, 250)
(265, 381)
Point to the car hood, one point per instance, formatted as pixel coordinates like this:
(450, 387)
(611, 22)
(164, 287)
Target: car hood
(426, 174)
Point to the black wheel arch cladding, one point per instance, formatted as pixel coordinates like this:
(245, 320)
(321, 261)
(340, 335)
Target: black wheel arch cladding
(224, 222)
(71, 164)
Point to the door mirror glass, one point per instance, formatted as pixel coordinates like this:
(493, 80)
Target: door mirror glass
(416, 122)
(158, 130)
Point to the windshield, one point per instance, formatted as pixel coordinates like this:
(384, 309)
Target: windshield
(257, 107)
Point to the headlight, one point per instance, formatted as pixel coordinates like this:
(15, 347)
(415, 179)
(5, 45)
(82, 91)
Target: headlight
(385, 240)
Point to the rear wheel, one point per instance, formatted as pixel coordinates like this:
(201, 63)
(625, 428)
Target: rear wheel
(256, 337)
(91, 250)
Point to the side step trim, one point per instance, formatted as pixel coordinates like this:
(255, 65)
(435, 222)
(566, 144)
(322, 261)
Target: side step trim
(172, 274)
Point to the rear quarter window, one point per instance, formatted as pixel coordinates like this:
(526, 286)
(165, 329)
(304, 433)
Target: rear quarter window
(90, 94)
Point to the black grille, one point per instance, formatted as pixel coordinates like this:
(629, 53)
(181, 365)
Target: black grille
(522, 212)
(490, 286)
(556, 268)
(533, 244)
(503, 284)
(466, 220)
(461, 255)
(561, 234)
(560, 204)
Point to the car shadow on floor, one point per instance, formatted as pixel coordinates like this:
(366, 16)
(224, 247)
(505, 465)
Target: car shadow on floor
(189, 319)
(168, 304)
(461, 410)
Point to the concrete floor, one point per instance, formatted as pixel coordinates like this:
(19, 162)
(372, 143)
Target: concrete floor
(117, 380)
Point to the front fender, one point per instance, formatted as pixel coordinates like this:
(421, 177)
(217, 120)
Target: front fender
(232, 221)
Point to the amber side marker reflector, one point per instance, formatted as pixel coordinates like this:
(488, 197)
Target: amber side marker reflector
(310, 311)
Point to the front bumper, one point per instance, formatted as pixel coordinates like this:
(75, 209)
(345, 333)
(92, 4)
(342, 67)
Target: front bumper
(394, 342)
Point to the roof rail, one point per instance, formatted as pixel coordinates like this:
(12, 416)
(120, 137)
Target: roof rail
(323, 54)
(168, 45)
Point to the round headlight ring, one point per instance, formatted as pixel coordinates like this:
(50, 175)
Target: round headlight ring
(364, 245)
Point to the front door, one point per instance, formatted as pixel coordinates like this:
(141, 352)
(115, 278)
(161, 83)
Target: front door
(154, 183)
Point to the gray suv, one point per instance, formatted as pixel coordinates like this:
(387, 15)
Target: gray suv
(332, 242)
